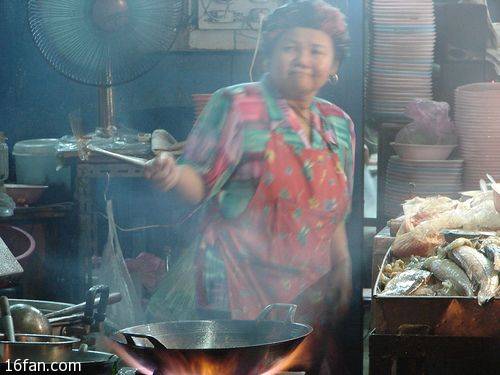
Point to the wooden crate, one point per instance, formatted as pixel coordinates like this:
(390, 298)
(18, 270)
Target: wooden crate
(433, 355)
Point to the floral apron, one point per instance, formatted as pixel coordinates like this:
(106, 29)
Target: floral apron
(281, 244)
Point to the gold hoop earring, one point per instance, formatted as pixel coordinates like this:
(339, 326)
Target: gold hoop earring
(333, 78)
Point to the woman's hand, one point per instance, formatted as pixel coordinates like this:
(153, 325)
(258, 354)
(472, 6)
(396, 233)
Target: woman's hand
(163, 170)
(167, 174)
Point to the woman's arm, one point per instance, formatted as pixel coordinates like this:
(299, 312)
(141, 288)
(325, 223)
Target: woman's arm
(168, 175)
(208, 156)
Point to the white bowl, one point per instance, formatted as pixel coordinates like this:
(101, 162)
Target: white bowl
(423, 152)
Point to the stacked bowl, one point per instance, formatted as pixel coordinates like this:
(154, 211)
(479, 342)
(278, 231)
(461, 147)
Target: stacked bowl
(402, 54)
(406, 179)
(477, 121)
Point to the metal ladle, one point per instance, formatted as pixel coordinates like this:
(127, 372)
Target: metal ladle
(28, 319)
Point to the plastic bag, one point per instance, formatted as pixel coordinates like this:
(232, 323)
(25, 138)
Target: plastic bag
(480, 213)
(148, 268)
(431, 124)
(426, 217)
(175, 298)
(114, 273)
(419, 210)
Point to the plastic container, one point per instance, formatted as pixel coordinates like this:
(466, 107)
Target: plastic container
(36, 163)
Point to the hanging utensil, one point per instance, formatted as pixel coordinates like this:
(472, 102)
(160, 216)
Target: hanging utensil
(76, 309)
(7, 322)
(94, 309)
(140, 162)
(159, 143)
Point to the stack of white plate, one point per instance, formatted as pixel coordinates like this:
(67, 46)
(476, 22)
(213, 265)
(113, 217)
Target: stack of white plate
(402, 53)
(406, 179)
(477, 120)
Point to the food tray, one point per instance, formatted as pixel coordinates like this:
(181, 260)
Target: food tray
(438, 315)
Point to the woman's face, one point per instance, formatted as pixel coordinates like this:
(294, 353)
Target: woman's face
(301, 62)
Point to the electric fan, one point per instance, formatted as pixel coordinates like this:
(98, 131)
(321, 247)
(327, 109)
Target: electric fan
(104, 43)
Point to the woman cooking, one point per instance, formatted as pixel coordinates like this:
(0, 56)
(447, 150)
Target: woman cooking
(274, 165)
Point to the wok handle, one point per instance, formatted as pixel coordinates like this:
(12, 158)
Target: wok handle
(291, 309)
(131, 336)
(88, 315)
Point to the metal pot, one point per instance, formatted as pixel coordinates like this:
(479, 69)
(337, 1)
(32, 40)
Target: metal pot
(37, 348)
(90, 362)
(252, 343)
(94, 363)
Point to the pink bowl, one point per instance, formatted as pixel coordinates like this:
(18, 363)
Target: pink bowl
(423, 152)
(20, 243)
(25, 195)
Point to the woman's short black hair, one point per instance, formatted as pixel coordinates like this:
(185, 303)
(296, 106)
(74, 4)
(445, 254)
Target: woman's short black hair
(311, 14)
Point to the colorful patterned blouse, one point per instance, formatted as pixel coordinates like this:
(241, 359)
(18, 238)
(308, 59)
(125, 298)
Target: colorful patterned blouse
(227, 142)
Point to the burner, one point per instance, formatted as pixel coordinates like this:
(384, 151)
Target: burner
(133, 371)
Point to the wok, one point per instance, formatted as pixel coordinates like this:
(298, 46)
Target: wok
(250, 346)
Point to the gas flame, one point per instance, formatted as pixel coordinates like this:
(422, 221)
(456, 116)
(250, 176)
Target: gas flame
(199, 365)
(202, 364)
(127, 357)
(300, 357)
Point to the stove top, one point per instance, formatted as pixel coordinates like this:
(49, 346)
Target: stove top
(133, 371)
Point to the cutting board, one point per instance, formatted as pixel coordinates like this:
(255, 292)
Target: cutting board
(9, 266)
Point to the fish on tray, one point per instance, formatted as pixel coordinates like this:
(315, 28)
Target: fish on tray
(491, 248)
(445, 269)
(477, 267)
(406, 282)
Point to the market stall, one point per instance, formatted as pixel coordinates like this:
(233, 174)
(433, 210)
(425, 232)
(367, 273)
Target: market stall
(437, 288)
